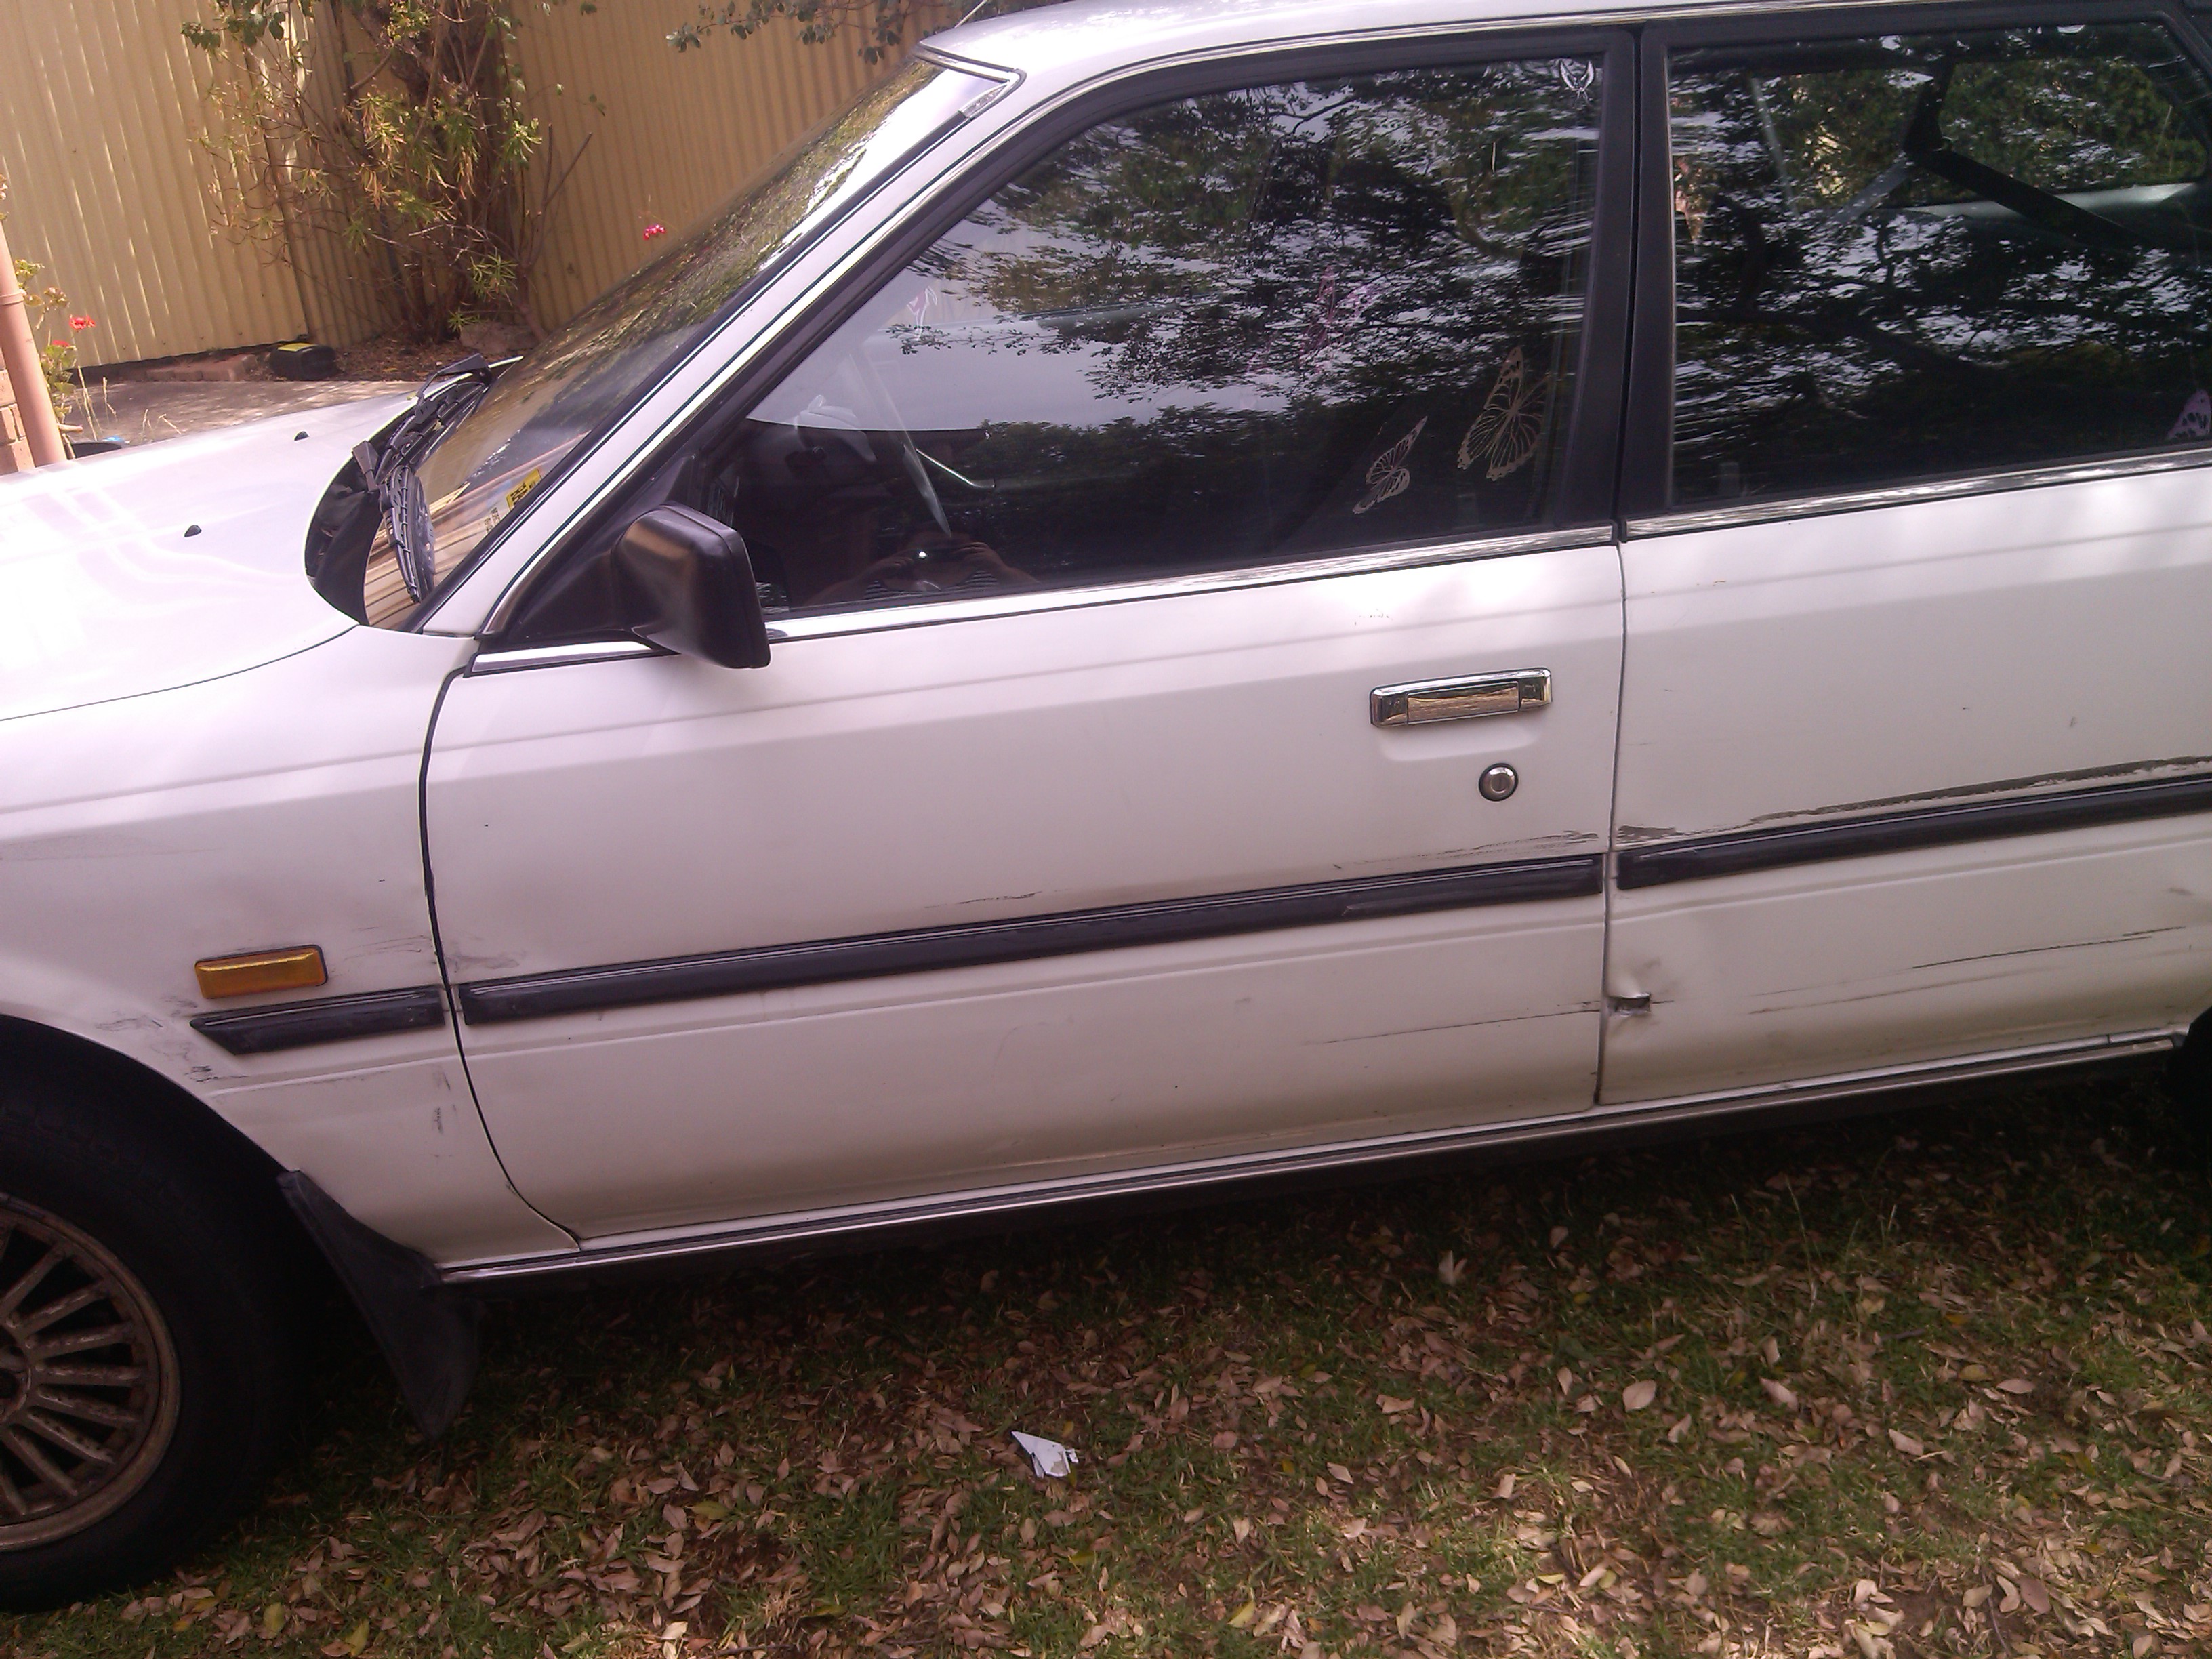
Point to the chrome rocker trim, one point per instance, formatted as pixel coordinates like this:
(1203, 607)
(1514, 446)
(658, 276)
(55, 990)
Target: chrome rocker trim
(981, 1211)
(829, 624)
(509, 661)
(1938, 489)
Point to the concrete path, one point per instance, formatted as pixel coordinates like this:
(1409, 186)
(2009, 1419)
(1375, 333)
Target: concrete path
(145, 411)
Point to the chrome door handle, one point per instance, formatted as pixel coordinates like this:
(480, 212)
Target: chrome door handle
(1424, 701)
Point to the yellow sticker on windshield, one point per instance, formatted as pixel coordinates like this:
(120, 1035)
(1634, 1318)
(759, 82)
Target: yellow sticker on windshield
(529, 482)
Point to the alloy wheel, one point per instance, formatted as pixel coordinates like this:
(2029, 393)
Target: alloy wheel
(88, 1379)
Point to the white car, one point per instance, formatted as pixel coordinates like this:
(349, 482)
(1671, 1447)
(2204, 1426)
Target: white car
(1193, 596)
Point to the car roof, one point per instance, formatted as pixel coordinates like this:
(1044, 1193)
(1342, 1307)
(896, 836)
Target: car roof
(1066, 41)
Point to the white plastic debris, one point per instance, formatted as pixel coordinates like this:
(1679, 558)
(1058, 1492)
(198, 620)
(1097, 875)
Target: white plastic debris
(1051, 1460)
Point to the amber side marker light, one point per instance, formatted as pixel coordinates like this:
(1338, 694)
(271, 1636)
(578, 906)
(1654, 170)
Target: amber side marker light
(298, 968)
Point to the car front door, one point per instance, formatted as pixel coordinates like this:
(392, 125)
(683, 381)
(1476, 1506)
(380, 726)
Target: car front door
(1916, 762)
(1188, 736)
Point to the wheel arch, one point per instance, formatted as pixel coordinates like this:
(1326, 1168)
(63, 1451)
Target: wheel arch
(150, 1107)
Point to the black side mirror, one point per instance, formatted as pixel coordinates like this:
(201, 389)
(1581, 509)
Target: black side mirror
(692, 584)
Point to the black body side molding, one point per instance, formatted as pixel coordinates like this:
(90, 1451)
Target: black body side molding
(427, 1332)
(872, 955)
(326, 1019)
(1898, 832)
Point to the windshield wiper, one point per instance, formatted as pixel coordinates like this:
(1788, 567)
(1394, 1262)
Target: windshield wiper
(389, 468)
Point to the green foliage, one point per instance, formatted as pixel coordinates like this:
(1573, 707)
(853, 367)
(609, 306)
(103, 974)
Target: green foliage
(56, 355)
(398, 125)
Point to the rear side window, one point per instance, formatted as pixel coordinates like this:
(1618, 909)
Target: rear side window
(1261, 326)
(1903, 256)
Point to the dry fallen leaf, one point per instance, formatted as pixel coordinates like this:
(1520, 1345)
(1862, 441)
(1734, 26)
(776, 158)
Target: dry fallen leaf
(1906, 1444)
(2017, 1385)
(1638, 1394)
(1450, 1268)
(1779, 1393)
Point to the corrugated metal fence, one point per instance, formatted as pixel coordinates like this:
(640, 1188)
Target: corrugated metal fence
(108, 188)
(101, 109)
(680, 132)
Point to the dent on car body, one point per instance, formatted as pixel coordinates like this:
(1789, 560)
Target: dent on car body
(2173, 766)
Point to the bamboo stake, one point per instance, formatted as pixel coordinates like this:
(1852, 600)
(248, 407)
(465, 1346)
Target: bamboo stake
(19, 359)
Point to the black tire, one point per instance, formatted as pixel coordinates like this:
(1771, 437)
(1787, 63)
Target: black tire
(184, 1255)
(2193, 1067)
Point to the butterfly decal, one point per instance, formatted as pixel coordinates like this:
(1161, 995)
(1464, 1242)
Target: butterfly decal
(1389, 476)
(1505, 435)
(2196, 420)
(1335, 311)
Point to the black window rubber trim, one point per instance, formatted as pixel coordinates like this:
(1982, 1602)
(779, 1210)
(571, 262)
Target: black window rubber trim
(1897, 832)
(274, 1026)
(873, 956)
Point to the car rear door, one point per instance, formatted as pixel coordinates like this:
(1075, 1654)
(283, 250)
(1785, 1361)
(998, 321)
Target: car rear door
(1187, 745)
(1915, 760)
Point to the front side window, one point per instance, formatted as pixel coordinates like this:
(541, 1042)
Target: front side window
(1259, 326)
(1902, 256)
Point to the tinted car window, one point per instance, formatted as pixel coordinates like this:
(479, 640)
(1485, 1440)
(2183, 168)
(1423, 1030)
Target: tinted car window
(1903, 256)
(1265, 324)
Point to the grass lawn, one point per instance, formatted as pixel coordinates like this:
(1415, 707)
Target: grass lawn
(1925, 1383)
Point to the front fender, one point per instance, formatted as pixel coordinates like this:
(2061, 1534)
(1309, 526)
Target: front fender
(275, 806)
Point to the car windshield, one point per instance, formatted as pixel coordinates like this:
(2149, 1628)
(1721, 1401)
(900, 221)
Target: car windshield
(540, 408)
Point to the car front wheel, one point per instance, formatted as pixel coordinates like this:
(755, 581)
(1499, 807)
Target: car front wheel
(147, 1362)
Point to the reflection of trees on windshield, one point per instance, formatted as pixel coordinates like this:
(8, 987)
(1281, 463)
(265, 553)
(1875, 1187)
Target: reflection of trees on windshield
(662, 306)
(1262, 323)
(632, 334)
(1937, 254)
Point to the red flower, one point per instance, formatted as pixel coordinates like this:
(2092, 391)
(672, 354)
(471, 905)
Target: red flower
(656, 228)
(80, 323)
